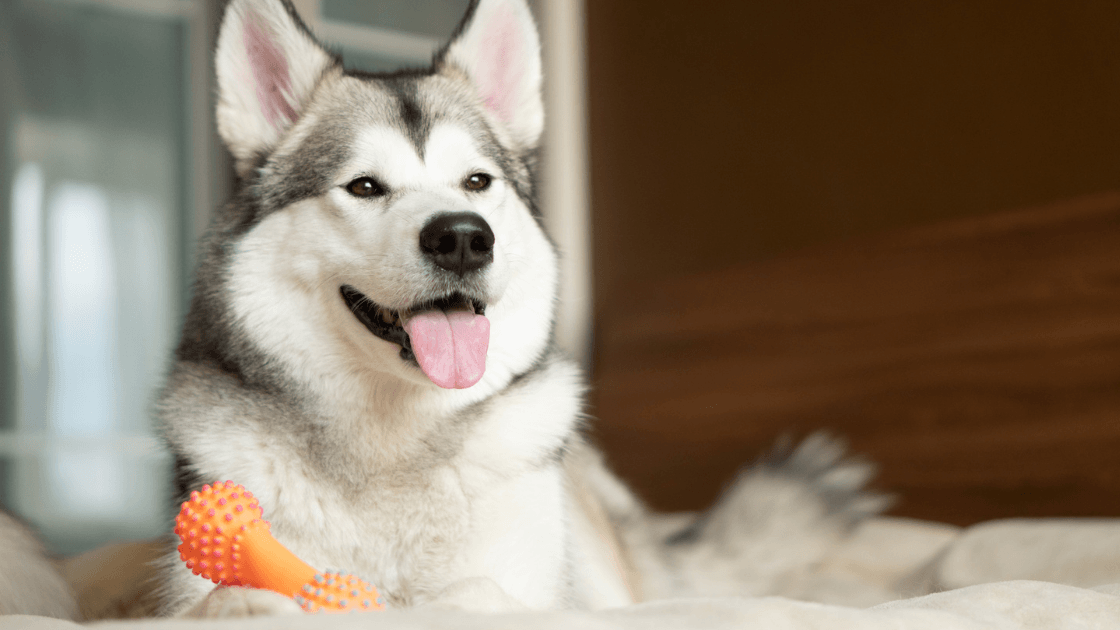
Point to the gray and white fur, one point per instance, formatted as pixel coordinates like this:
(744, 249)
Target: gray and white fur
(485, 496)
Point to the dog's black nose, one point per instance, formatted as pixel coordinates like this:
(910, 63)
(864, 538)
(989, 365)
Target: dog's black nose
(458, 241)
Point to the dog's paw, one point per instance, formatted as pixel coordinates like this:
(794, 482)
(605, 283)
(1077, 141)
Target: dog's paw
(233, 601)
(776, 522)
(792, 491)
(821, 465)
(476, 594)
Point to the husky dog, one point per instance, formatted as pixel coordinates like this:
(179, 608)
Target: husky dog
(369, 350)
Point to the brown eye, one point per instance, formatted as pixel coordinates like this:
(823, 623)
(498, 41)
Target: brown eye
(366, 187)
(477, 182)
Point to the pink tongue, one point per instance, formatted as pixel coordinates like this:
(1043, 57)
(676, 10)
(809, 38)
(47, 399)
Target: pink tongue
(450, 347)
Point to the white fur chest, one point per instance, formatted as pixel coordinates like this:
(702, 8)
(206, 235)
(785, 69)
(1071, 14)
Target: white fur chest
(489, 501)
(413, 533)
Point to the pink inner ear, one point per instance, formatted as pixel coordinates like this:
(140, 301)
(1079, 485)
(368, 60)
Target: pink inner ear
(270, 72)
(501, 66)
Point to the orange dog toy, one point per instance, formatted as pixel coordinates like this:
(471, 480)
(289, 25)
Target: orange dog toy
(226, 540)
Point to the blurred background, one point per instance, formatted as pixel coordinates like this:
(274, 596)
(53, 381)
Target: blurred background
(895, 221)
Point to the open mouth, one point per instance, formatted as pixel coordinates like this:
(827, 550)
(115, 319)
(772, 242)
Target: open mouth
(447, 337)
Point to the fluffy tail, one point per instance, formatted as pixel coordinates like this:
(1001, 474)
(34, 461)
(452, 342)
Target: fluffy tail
(766, 535)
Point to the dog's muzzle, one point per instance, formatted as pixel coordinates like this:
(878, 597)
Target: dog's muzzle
(447, 338)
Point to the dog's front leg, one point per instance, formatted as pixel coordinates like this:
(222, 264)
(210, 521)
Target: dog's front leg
(235, 601)
(475, 594)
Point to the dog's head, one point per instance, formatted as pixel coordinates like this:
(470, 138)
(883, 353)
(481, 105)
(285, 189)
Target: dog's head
(391, 212)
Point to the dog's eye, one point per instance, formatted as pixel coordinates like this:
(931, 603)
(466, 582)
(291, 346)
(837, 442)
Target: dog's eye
(366, 187)
(477, 182)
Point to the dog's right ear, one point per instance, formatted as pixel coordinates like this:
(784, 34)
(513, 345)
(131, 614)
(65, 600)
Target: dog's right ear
(267, 65)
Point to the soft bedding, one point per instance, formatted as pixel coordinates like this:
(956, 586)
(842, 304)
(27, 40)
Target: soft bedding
(1010, 605)
(1052, 574)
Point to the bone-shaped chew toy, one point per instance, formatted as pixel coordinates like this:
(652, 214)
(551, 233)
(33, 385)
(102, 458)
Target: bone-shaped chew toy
(224, 539)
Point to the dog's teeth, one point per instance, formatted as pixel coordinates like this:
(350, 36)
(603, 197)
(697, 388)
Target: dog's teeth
(387, 316)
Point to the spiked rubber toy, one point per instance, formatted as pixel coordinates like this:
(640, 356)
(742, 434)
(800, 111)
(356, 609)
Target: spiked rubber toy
(226, 540)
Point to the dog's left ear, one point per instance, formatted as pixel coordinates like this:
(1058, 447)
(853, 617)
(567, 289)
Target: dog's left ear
(498, 47)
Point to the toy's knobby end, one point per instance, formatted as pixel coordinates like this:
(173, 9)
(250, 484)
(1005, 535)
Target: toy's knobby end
(337, 592)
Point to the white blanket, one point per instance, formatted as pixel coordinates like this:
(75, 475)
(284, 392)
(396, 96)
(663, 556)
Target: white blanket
(1019, 605)
(999, 575)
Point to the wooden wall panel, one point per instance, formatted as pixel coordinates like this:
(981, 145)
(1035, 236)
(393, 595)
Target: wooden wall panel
(732, 130)
(976, 361)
